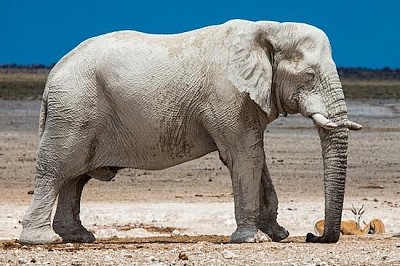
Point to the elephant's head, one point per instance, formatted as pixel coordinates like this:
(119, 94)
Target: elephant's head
(288, 68)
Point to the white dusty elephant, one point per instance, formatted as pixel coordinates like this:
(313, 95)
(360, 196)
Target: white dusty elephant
(129, 99)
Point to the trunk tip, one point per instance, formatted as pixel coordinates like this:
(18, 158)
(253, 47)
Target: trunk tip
(311, 238)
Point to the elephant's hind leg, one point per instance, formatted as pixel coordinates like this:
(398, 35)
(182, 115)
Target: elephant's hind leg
(36, 226)
(269, 208)
(66, 221)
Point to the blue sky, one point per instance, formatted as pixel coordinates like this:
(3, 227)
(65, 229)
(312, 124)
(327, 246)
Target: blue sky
(362, 33)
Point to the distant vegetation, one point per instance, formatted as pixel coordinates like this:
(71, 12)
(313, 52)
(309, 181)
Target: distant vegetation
(360, 73)
(365, 83)
(28, 81)
(22, 82)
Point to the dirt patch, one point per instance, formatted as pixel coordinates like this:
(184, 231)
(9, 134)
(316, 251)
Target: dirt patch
(206, 250)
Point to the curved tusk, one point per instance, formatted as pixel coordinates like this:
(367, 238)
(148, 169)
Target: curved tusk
(322, 121)
(352, 125)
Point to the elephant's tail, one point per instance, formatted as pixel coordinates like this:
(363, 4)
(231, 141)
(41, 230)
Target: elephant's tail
(43, 112)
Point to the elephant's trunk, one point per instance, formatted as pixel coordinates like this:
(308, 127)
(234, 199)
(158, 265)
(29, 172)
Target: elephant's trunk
(334, 153)
(334, 142)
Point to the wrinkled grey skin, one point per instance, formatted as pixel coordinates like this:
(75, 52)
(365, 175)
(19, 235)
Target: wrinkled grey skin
(128, 99)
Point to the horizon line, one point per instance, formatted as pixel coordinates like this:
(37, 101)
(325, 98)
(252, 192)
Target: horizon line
(50, 66)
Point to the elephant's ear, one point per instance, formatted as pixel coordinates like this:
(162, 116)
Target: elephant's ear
(250, 66)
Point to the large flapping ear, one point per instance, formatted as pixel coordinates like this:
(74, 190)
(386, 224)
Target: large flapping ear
(250, 63)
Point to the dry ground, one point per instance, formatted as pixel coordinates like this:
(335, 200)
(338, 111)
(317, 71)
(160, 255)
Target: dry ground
(135, 215)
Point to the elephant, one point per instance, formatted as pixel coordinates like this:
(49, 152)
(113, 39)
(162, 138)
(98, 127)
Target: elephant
(128, 99)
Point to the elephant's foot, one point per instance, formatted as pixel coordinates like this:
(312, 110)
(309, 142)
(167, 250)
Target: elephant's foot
(74, 233)
(78, 236)
(275, 232)
(41, 235)
(249, 235)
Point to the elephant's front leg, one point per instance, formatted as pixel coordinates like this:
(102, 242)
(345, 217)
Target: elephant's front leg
(66, 221)
(245, 168)
(269, 208)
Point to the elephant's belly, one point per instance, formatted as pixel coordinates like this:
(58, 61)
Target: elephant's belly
(154, 152)
(156, 160)
(162, 160)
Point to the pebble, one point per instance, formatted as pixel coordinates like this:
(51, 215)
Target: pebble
(227, 254)
(176, 232)
(183, 256)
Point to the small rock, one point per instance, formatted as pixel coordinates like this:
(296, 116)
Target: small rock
(30, 192)
(33, 260)
(261, 237)
(182, 256)
(227, 254)
(376, 200)
(176, 232)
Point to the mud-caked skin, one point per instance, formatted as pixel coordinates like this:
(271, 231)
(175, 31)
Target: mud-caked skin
(130, 99)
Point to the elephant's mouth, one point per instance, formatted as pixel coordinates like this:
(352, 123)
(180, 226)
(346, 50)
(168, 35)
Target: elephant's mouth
(324, 122)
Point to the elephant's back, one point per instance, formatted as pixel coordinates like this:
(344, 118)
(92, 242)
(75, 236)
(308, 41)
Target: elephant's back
(150, 48)
(140, 40)
(96, 48)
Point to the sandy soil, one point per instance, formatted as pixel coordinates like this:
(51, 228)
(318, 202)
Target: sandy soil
(184, 215)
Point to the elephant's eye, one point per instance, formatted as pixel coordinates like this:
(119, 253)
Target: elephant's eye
(309, 76)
